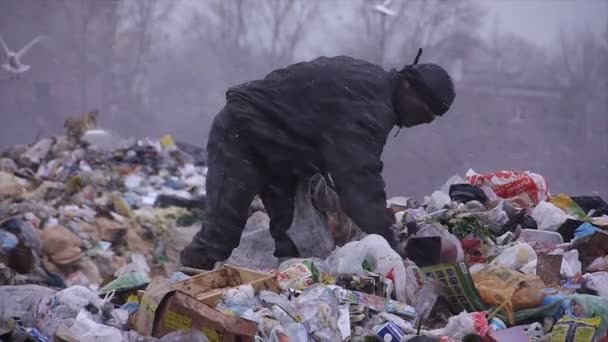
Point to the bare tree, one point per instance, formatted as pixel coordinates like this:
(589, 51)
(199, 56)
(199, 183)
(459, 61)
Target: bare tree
(445, 32)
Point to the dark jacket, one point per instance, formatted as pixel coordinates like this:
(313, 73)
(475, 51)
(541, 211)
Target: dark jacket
(329, 115)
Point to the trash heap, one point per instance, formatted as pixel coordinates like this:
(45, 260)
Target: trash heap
(84, 214)
(487, 257)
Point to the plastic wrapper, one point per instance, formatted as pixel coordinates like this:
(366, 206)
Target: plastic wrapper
(301, 273)
(524, 188)
(376, 303)
(566, 204)
(585, 229)
(378, 254)
(318, 311)
(127, 281)
(499, 285)
(548, 216)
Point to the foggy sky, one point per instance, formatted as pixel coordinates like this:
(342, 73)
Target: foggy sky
(181, 82)
(540, 21)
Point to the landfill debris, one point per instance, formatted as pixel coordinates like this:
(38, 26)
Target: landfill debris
(91, 230)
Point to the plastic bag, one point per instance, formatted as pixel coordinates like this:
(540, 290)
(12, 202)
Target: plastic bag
(451, 249)
(568, 205)
(587, 306)
(309, 229)
(290, 332)
(524, 188)
(377, 252)
(499, 285)
(495, 218)
(515, 257)
(85, 329)
(22, 301)
(78, 297)
(571, 266)
(8, 242)
(439, 200)
(64, 306)
(257, 245)
(598, 281)
(455, 179)
(585, 229)
(458, 326)
(185, 335)
(317, 309)
(599, 264)
(548, 216)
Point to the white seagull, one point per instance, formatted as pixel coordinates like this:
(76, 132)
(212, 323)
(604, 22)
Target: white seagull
(14, 64)
(383, 8)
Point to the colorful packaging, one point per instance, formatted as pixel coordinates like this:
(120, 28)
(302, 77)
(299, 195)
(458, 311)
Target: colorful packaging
(376, 303)
(390, 332)
(575, 329)
(523, 188)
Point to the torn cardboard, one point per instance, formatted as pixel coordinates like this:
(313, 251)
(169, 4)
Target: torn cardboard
(164, 309)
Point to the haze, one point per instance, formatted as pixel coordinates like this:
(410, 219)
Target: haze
(531, 76)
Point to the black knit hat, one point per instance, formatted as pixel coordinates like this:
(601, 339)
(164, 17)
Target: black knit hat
(432, 83)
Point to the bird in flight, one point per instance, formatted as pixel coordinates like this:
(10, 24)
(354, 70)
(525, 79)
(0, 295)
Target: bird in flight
(14, 64)
(383, 8)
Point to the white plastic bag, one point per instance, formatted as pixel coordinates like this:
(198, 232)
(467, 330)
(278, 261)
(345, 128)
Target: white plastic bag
(571, 266)
(455, 179)
(495, 218)
(382, 258)
(309, 229)
(515, 257)
(548, 216)
(451, 249)
(458, 326)
(439, 200)
(598, 281)
(87, 330)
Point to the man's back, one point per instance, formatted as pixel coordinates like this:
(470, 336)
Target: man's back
(302, 105)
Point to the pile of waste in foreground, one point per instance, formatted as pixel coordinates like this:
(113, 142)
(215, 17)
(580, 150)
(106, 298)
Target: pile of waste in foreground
(90, 234)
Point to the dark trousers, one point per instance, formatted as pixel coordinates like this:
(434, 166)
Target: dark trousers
(237, 171)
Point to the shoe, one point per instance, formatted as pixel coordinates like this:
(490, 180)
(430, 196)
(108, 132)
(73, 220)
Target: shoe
(194, 257)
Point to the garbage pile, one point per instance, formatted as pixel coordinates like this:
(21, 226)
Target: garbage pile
(487, 257)
(84, 213)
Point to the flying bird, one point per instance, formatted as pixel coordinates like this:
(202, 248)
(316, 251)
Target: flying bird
(14, 64)
(383, 8)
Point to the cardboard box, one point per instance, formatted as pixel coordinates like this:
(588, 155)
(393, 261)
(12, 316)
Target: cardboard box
(209, 287)
(163, 309)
